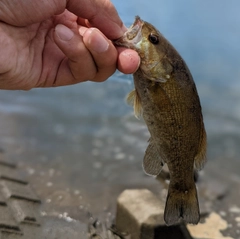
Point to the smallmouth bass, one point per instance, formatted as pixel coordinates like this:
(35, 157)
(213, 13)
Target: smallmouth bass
(166, 97)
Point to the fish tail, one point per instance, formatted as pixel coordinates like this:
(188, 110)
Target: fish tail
(182, 204)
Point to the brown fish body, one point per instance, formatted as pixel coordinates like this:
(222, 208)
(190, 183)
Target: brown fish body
(166, 96)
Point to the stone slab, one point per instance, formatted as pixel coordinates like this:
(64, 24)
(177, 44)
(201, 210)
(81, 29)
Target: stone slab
(140, 213)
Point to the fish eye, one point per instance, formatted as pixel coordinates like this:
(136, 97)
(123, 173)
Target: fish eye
(153, 38)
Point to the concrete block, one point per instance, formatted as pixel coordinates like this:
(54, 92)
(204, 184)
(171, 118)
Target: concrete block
(140, 213)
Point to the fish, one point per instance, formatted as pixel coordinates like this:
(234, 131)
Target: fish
(166, 96)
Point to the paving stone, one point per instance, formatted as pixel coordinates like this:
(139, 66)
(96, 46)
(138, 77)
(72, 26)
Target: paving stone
(26, 211)
(7, 221)
(18, 190)
(19, 205)
(6, 163)
(7, 235)
(10, 173)
(2, 200)
(140, 213)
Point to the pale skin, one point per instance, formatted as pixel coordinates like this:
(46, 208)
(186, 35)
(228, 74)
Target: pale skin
(60, 42)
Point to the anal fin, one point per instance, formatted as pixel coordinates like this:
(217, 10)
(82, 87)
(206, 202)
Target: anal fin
(152, 162)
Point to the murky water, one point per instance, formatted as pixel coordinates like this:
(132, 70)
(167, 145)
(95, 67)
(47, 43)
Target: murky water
(81, 145)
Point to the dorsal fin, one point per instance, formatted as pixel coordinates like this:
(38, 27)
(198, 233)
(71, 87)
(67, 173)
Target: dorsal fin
(152, 162)
(134, 100)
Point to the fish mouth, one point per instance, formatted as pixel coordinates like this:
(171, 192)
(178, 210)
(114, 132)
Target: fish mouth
(132, 36)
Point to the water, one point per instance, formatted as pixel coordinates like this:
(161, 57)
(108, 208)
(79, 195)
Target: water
(207, 36)
(87, 135)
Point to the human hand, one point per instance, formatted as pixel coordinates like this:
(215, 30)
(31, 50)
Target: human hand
(53, 43)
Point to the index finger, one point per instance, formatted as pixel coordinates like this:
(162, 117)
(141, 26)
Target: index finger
(100, 14)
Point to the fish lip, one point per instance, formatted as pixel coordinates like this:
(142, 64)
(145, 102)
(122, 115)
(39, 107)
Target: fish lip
(132, 36)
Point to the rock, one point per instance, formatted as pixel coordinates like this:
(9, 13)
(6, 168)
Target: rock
(140, 213)
(210, 229)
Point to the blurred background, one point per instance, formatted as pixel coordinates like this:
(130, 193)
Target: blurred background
(81, 145)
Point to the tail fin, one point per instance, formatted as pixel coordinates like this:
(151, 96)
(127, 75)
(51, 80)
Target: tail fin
(182, 205)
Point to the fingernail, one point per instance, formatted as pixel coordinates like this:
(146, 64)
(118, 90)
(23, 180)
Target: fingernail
(97, 41)
(82, 30)
(64, 33)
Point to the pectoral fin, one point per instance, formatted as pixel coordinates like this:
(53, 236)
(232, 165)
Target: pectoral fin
(152, 162)
(134, 99)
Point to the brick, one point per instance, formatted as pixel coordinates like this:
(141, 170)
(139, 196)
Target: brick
(140, 213)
